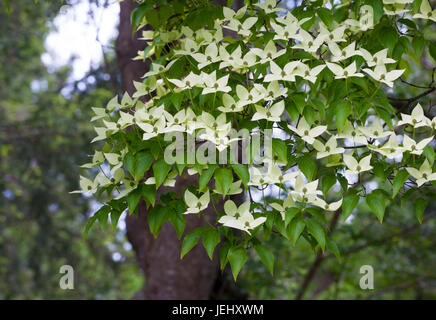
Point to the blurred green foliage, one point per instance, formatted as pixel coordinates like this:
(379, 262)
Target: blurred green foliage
(44, 133)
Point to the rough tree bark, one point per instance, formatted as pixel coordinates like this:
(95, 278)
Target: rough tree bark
(166, 276)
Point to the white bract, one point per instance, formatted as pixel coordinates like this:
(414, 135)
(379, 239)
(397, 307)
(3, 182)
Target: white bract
(424, 174)
(425, 11)
(343, 73)
(239, 218)
(327, 149)
(196, 205)
(307, 133)
(355, 167)
(380, 74)
(271, 114)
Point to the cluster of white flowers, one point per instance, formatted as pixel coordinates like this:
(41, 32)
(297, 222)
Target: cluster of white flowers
(263, 98)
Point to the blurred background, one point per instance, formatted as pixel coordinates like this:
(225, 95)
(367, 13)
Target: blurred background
(57, 61)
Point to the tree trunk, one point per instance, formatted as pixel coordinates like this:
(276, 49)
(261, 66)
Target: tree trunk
(166, 275)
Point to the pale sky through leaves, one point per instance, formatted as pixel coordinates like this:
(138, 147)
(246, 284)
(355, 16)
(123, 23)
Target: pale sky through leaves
(75, 35)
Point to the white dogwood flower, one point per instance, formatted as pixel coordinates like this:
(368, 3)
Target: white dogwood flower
(229, 104)
(269, 6)
(87, 186)
(415, 119)
(273, 91)
(307, 133)
(230, 14)
(349, 132)
(281, 208)
(415, 147)
(269, 53)
(425, 12)
(305, 192)
(212, 84)
(355, 167)
(379, 58)
(326, 206)
(210, 56)
(248, 97)
(374, 131)
(271, 114)
(242, 28)
(308, 74)
(239, 218)
(285, 74)
(189, 47)
(380, 74)
(196, 205)
(343, 73)
(285, 33)
(327, 149)
(390, 149)
(152, 130)
(336, 35)
(157, 69)
(424, 174)
(339, 54)
(190, 81)
(307, 42)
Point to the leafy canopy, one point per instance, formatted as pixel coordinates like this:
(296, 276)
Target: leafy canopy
(316, 77)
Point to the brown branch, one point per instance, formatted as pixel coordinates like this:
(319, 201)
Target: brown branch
(317, 262)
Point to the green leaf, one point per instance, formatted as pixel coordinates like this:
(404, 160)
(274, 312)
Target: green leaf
(317, 231)
(224, 249)
(300, 101)
(160, 171)
(266, 256)
(333, 248)
(88, 226)
(280, 149)
(224, 179)
(8, 6)
(327, 182)
(296, 227)
(190, 241)
(156, 217)
(432, 49)
(418, 45)
(149, 193)
(399, 180)
(133, 200)
(242, 172)
(178, 220)
(129, 162)
(144, 159)
(205, 177)
(237, 257)
(348, 204)
(429, 153)
(388, 36)
(342, 111)
(326, 16)
(307, 166)
(115, 217)
(290, 214)
(376, 202)
(419, 206)
(211, 237)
